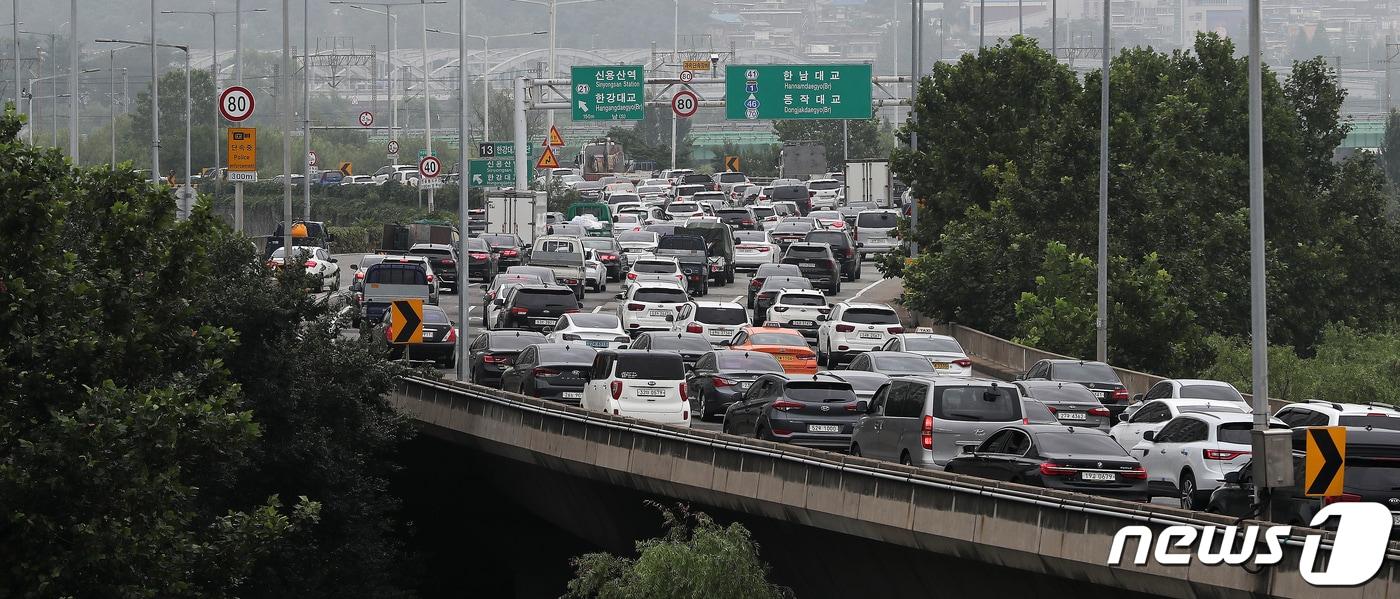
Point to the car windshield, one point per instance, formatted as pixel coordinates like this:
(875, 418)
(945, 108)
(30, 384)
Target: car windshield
(577, 356)
(599, 243)
(397, 274)
(748, 362)
(778, 339)
(1069, 392)
(932, 344)
(654, 267)
(514, 340)
(476, 244)
(876, 220)
(792, 227)
(832, 238)
(1373, 474)
(803, 299)
(751, 236)
(902, 364)
(977, 403)
(1088, 372)
(1389, 423)
(1220, 392)
(1086, 443)
(637, 236)
(762, 211)
(501, 240)
(514, 278)
(732, 177)
(596, 321)
(434, 315)
(682, 208)
(650, 367)
(732, 213)
(681, 343)
(820, 391)
(562, 298)
(789, 192)
(1239, 433)
(824, 185)
(436, 251)
(775, 270)
(660, 295)
(786, 283)
(870, 316)
(734, 316)
(825, 214)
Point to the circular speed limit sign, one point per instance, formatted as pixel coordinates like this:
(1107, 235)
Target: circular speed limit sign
(393, 146)
(236, 103)
(366, 118)
(429, 166)
(686, 76)
(684, 103)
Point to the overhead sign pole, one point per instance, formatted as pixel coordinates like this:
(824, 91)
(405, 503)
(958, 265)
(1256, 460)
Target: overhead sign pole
(463, 189)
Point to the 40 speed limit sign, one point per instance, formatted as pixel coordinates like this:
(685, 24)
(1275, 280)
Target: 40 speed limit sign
(429, 167)
(685, 103)
(236, 103)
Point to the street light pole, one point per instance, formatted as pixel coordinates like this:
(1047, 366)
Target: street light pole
(155, 102)
(187, 192)
(486, 64)
(305, 110)
(285, 83)
(1101, 326)
(428, 101)
(391, 21)
(916, 48)
(73, 81)
(1259, 311)
(675, 55)
(463, 185)
(14, 33)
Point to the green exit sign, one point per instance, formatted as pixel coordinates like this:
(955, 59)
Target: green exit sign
(608, 93)
(797, 91)
(492, 172)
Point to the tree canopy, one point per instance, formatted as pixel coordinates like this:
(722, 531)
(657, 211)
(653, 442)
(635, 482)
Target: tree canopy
(1008, 176)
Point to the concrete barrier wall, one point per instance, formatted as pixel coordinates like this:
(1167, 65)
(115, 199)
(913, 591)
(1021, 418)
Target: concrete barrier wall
(1059, 536)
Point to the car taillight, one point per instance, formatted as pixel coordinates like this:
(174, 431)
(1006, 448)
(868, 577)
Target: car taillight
(694, 327)
(609, 257)
(510, 253)
(544, 372)
(780, 308)
(451, 335)
(571, 337)
(747, 221)
(756, 283)
(926, 433)
(850, 252)
(430, 278)
(1053, 409)
(570, 310)
(896, 330)
(1053, 469)
(1138, 473)
(1343, 498)
(811, 194)
(840, 224)
(519, 310)
(479, 256)
(636, 307)
(449, 262)
(492, 359)
(764, 249)
(685, 396)
(310, 264)
(724, 382)
(1120, 395)
(785, 405)
(1099, 412)
(388, 335)
(845, 328)
(963, 362)
(359, 276)
(1222, 454)
(631, 276)
(616, 388)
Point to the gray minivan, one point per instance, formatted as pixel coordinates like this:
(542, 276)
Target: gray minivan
(925, 421)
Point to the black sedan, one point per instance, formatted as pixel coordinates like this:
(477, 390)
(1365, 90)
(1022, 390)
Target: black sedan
(509, 248)
(439, 342)
(610, 254)
(1056, 457)
(689, 345)
(553, 371)
(721, 377)
(493, 351)
(482, 265)
(809, 410)
(770, 270)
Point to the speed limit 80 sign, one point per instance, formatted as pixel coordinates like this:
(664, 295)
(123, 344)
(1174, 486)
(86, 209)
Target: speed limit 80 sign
(685, 103)
(236, 103)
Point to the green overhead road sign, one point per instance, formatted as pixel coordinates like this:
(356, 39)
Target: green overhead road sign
(797, 91)
(609, 93)
(492, 172)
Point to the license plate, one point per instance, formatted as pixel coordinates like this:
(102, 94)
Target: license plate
(544, 321)
(651, 393)
(1072, 415)
(823, 428)
(1395, 519)
(573, 395)
(803, 323)
(1102, 394)
(784, 358)
(872, 335)
(597, 343)
(659, 312)
(807, 265)
(940, 365)
(1106, 477)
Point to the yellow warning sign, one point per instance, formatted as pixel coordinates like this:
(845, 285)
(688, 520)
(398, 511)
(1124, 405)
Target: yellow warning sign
(696, 65)
(547, 159)
(242, 149)
(1325, 461)
(555, 139)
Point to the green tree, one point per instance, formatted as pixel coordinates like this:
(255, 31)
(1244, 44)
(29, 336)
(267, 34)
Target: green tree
(1349, 366)
(863, 138)
(697, 557)
(172, 124)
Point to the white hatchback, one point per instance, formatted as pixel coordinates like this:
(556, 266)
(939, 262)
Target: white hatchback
(648, 385)
(650, 307)
(715, 321)
(598, 331)
(825, 193)
(654, 270)
(683, 211)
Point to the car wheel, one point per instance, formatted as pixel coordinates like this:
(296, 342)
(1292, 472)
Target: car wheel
(855, 450)
(603, 287)
(904, 459)
(1190, 494)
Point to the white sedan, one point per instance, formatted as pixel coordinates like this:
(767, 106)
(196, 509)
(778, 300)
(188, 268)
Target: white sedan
(755, 248)
(595, 275)
(598, 331)
(319, 263)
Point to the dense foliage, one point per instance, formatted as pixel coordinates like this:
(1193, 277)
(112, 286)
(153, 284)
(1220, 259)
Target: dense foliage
(1346, 366)
(697, 557)
(870, 138)
(1008, 173)
(175, 421)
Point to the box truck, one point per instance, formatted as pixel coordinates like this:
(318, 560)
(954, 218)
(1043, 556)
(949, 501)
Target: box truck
(869, 181)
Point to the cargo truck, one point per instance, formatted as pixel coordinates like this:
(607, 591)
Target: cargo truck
(802, 160)
(519, 212)
(869, 181)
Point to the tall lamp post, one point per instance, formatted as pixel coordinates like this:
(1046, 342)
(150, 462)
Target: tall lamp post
(187, 191)
(486, 66)
(53, 85)
(213, 14)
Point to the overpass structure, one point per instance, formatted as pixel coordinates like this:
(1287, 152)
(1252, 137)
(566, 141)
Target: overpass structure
(834, 525)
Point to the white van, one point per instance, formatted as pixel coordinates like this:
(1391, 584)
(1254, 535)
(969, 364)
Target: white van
(649, 385)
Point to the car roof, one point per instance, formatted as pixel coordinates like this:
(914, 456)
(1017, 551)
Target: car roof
(867, 305)
(1201, 382)
(1074, 361)
(925, 336)
(1345, 408)
(901, 354)
(512, 333)
(753, 330)
(710, 304)
(433, 246)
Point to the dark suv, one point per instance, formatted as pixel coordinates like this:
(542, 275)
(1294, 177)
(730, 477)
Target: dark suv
(797, 194)
(816, 411)
(817, 264)
(698, 179)
(492, 352)
(443, 257)
(1097, 376)
(843, 248)
(535, 307)
(509, 248)
(689, 345)
(770, 270)
(741, 219)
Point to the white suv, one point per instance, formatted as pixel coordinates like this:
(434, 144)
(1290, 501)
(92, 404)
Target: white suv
(649, 385)
(1316, 412)
(1192, 453)
(826, 193)
(715, 321)
(1153, 415)
(799, 309)
(650, 307)
(852, 328)
(654, 270)
(684, 211)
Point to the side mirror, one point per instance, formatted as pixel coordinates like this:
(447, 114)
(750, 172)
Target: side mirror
(724, 343)
(862, 407)
(821, 318)
(1149, 436)
(618, 296)
(623, 346)
(334, 260)
(670, 318)
(354, 267)
(1232, 477)
(1122, 416)
(500, 301)
(969, 449)
(1137, 397)
(860, 245)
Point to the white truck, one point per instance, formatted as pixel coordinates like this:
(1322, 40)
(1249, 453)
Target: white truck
(518, 212)
(869, 181)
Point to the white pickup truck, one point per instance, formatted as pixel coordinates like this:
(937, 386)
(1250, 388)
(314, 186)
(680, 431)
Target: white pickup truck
(563, 255)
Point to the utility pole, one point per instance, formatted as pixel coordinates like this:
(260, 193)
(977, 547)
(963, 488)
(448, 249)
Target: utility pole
(285, 83)
(463, 188)
(73, 50)
(1102, 324)
(155, 102)
(428, 100)
(1054, 34)
(1258, 308)
(982, 25)
(305, 110)
(917, 49)
(14, 37)
(1392, 52)
(675, 58)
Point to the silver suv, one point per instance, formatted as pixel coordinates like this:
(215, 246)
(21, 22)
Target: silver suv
(926, 421)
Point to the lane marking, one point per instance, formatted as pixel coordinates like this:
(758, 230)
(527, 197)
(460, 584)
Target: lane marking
(738, 299)
(595, 310)
(865, 289)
